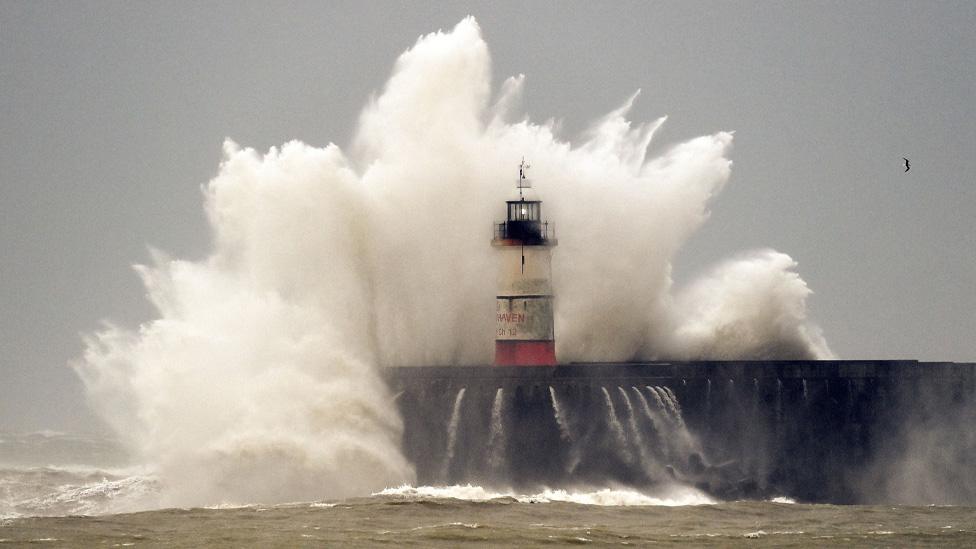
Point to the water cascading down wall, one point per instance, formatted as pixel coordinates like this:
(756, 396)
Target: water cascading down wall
(819, 431)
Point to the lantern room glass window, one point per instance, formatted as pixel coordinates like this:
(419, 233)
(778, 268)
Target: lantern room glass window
(524, 211)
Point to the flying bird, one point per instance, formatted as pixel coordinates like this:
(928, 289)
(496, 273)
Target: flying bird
(908, 165)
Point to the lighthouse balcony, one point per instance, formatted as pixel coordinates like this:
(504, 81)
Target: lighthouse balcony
(528, 233)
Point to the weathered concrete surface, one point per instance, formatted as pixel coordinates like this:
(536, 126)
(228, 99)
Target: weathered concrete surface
(829, 431)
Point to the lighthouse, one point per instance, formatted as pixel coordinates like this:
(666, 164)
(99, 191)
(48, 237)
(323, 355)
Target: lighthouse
(524, 329)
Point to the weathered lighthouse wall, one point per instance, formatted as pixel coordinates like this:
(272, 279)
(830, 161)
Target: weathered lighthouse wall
(823, 431)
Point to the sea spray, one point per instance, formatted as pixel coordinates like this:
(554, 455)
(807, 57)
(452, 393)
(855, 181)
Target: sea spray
(452, 433)
(708, 395)
(659, 429)
(460, 149)
(560, 416)
(636, 438)
(652, 416)
(740, 308)
(685, 439)
(675, 407)
(565, 432)
(239, 395)
(679, 441)
(616, 428)
(496, 436)
(659, 400)
(258, 379)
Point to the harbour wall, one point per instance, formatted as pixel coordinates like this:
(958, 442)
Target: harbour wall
(817, 431)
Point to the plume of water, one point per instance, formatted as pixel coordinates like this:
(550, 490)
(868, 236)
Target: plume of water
(616, 428)
(675, 407)
(657, 423)
(739, 311)
(452, 432)
(635, 433)
(805, 396)
(680, 440)
(652, 417)
(496, 436)
(708, 395)
(560, 415)
(434, 137)
(565, 433)
(258, 380)
(669, 403)
(660, 403)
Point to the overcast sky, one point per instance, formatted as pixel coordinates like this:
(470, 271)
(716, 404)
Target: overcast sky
(112, 116)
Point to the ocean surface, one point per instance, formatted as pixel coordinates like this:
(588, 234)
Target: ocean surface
(64, 504)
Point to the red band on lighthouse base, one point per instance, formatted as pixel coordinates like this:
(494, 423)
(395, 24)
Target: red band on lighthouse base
(525, 353)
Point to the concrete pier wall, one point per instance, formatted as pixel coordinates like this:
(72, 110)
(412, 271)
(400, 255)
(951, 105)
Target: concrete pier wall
(823, 431)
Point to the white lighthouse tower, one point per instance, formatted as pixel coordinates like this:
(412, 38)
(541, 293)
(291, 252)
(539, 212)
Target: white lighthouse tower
(524, 330)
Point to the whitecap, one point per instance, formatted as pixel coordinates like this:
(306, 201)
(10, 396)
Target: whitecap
(609, 497)
(466, 492)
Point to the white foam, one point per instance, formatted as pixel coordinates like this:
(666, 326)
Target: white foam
(466, 492)
(673, 496)
(94, 498)
(472, 526)
(761, 533)
(228, 505)
(612, 497)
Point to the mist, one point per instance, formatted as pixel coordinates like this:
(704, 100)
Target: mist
(260, 377)
(927, 456)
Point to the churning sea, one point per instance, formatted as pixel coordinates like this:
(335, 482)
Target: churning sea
(64, 505)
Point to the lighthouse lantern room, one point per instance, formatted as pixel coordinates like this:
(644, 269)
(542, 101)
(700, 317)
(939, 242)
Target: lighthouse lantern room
(524, 330)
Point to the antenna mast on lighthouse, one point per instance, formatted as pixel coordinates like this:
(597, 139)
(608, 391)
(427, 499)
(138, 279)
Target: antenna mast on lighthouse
(523, 182)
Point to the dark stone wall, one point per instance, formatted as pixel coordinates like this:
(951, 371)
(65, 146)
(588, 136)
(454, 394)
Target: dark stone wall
(817, 431)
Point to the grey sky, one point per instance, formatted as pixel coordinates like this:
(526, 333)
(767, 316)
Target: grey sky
(112, 116)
